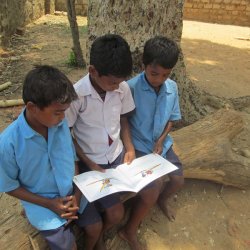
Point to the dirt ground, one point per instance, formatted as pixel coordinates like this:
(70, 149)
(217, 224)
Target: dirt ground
(209, 215)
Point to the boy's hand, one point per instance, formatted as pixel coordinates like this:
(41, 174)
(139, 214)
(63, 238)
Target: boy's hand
(65, 207)
(129, 156)
(158, 147)
(96, 167)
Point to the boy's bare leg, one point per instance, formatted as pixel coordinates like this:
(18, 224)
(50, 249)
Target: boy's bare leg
(92, 235)
(171, 187)
(145, 200)
(112, 216)
(74, 246)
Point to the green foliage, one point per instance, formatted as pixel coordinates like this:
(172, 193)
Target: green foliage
(83, 30)
(71, 62)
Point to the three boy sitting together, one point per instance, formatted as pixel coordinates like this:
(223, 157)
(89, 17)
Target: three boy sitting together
(112, 121)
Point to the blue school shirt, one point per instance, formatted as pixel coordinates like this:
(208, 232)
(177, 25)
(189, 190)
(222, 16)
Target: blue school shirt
(45, 168)
(153, 111)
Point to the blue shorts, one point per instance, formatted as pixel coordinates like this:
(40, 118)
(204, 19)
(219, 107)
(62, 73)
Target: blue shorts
(61, 238)
(92, 212)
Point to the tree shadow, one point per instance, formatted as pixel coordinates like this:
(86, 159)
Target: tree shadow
(219, 69)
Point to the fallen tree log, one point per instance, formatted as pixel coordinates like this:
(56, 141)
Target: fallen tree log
(216, 148)
(10, 103)
(5, 86)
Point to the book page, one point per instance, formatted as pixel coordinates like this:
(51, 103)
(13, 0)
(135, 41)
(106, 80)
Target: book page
(95, 185)
(145, 169)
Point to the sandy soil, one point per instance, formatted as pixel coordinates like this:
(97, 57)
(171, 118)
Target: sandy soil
(218, 57)
(209, 216)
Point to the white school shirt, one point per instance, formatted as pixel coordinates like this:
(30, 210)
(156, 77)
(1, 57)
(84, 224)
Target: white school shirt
(94, 120)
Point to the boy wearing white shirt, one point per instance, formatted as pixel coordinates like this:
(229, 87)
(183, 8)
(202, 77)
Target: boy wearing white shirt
(100, 127)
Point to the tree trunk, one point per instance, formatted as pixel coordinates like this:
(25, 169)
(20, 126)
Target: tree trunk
(75, 33)
(139, 20)
(216, 148)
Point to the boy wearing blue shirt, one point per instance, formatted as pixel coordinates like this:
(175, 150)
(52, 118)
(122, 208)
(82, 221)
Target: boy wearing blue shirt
(37, 157)
(157, 107)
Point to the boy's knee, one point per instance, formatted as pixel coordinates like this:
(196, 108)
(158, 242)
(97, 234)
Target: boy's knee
(93, 230)
(149, 196)
(115, 213)
(178, 181)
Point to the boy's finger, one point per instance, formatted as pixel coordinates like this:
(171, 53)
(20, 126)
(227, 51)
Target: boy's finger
(67, 215)
(73, 209)
(67, 198)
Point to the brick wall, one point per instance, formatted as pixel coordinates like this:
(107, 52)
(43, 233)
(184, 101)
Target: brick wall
(80, 5)
(235, 12)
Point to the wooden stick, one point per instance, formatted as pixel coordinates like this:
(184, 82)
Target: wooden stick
(10, 103)
(32, 243)
(5, 86)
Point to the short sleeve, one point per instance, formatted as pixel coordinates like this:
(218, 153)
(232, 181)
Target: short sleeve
(128, 104)
(8, 167)
(176, 113)
(74, 109)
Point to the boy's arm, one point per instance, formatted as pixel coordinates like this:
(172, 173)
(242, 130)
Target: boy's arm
(127, 142)
(92, 165)
(77, 191)
(159, 143)
(61, 205)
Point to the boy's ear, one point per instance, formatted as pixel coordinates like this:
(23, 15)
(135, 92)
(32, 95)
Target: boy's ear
(92, 71)
(31, 107)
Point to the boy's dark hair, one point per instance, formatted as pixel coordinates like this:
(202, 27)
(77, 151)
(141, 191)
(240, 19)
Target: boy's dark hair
(162, 51)
(110, 55)
(45, 84)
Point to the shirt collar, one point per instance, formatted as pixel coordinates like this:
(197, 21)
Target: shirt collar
(85, 88)
(27, 130)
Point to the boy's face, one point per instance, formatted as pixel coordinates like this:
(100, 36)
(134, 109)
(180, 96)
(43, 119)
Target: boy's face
(156, 74)
(104, 83)
(49, 116)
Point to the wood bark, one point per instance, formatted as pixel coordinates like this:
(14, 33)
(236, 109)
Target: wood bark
(215, 148)
(71, 13)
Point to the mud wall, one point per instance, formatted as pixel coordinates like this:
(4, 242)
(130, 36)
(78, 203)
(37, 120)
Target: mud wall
(236, 12)
(17, 13)
(80, 5)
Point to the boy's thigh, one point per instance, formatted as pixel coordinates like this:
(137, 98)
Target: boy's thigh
(61, 238)
(108, 201)
(89, 216)
(92, 213)
(173, 158)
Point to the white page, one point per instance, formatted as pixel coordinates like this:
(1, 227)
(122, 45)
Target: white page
(95, 185)
(146, 169)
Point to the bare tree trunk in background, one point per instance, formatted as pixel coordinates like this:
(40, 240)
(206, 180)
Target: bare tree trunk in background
(139, 20)
(75, 33)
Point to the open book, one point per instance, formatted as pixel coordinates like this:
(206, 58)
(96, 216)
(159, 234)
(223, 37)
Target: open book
(132, 178)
